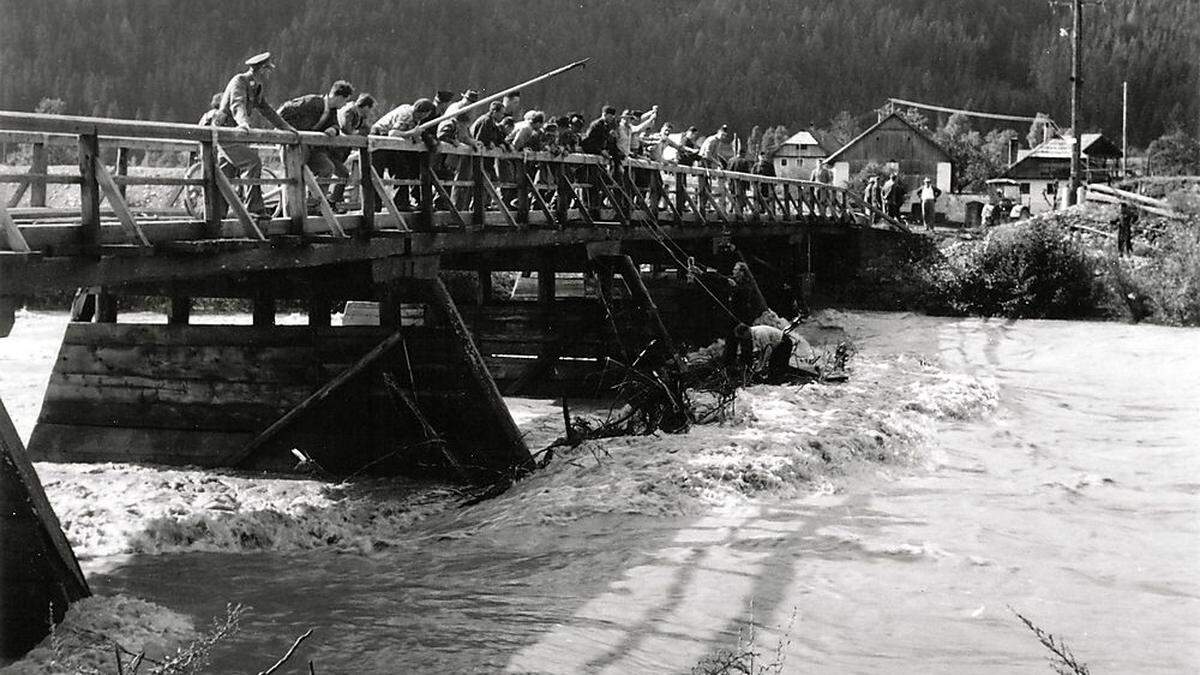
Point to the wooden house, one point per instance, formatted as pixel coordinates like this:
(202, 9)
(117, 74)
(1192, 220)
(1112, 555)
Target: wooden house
(798, 155)
(1043, 173)
(898, 145)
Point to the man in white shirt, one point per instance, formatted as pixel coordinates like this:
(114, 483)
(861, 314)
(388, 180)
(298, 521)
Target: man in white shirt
(928, 195)
(770, 352)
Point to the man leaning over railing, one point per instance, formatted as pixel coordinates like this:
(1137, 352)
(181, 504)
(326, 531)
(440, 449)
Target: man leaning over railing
(457, 131)
(400, 164)
(319, 112)
(245, 94)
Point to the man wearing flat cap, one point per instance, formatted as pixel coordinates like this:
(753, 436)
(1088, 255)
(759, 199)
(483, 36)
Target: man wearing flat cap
(243, 95)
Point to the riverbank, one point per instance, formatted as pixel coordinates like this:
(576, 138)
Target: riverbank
(1057, 265)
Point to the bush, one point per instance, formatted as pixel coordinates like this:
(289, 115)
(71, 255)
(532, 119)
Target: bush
(1034, 269)
(1164, 286)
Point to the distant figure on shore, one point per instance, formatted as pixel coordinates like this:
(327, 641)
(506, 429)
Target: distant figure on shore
(821, 174)
(893, 196)
(245, 94)
(928, 194)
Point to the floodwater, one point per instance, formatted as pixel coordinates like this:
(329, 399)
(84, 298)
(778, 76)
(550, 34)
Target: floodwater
(1074, 501)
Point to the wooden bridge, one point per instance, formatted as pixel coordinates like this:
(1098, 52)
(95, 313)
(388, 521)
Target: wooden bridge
(411, 381)
(434, 363)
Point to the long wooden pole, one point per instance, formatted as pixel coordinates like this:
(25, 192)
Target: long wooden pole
(498, 95)
(1076, 93)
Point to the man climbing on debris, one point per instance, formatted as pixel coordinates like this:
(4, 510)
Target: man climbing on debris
(244, 95)
(768, 354)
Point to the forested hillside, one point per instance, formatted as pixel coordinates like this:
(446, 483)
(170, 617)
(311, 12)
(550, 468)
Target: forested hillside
(744, 62)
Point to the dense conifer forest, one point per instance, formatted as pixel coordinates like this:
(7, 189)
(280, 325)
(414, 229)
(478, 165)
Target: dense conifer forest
(742, 62)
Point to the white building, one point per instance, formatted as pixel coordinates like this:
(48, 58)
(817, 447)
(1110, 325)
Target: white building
(798, 156)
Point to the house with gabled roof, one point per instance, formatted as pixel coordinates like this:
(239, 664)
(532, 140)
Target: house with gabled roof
(798, 155)
(1043, 173)
(897, 144)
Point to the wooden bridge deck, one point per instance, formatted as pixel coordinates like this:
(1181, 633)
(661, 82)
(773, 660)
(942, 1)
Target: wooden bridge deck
(109, 241)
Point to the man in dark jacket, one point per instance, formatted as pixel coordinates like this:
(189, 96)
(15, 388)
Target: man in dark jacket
(317, 112)
(764, 167)
(601, 139)
(738, 187)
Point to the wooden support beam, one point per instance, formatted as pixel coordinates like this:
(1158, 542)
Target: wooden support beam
(17, 194)
(445, 194)
(368, 197)
(478, 191)
(381, 193)
(214, 201)
(248, 222)
(240, 455)
(181, 310)
(541, 201)
(60, 580)
(116, 200)
(89, 194)
(314, 188)
(106, 306)
(122, 167)
(295, 206)
(264, 308)
(8, 313)
(318, 309)
(439, 298)
(10, 234)
(633, 279)
(484, 275)
(425, 220)
(491, 189)
(39, 165)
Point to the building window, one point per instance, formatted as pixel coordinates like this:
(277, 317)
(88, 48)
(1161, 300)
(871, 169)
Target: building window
(783, 162)
(1024, 188)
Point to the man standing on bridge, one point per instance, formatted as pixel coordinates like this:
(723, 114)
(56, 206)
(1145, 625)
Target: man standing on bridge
(243, 95)
(317, 112)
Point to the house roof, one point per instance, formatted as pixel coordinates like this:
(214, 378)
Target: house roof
(1059, 148)
(802, 138)
(854, 141)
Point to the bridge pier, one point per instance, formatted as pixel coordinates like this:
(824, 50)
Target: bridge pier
(409, 395)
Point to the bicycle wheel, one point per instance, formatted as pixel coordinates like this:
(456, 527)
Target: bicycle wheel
(193, 195)
(272, 194)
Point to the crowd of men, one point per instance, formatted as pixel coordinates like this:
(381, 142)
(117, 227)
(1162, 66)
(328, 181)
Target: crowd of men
(503, 124)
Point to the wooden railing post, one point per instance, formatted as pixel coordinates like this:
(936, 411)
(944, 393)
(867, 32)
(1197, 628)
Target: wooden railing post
(681, 180)
(89, 194)
(562, 200)
(214, 203)
(39, 165)
(656, 192)
(366, 190)
(425, 221)
(523, 188)
(181, 310)
(106, 306)
(702, 194)
(122, 167)
(479, 197)
(295, 204)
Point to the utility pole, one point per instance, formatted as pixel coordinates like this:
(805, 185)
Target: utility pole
(1076, 90)
(1124, 128)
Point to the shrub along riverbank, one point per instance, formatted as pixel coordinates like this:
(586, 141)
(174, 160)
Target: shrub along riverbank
(1043, 268)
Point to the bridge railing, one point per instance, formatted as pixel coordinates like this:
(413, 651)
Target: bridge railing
(455, 187)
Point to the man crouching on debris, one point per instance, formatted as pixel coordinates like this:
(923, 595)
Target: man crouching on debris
(767, 352)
